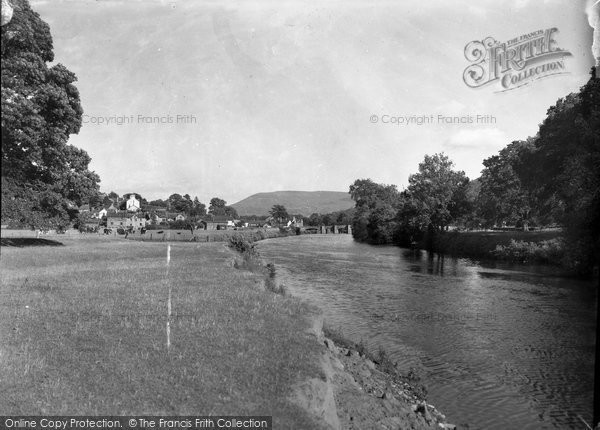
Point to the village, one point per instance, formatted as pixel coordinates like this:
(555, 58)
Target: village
(128, 214)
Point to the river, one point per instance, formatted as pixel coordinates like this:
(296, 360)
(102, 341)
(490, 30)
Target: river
(497, 347)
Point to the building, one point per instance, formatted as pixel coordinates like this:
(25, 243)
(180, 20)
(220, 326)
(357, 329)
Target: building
(174, 216)
(218, 223)
(125, 220)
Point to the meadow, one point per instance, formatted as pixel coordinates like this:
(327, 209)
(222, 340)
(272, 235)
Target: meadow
(83, 329)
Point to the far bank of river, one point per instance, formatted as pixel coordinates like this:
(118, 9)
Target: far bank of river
(497, 346)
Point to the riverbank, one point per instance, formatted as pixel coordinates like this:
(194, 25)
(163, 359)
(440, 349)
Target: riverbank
(369, 392)
(357, 389)
(531, 247)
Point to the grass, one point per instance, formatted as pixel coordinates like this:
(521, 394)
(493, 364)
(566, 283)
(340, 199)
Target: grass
(83, 330)
(252, 261)
(205, 235)
(381, 358)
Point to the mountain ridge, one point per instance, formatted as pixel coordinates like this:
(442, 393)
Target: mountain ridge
(296, 202)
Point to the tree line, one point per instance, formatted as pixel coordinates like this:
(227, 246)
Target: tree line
(549, 180)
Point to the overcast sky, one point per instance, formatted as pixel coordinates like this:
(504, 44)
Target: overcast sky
(280, 95)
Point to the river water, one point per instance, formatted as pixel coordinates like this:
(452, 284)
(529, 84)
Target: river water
(497, 347)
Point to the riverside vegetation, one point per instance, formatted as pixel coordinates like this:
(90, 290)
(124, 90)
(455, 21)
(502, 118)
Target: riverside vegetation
(549, 180)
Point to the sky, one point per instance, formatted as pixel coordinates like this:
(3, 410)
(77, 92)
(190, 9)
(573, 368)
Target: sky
(230, 99)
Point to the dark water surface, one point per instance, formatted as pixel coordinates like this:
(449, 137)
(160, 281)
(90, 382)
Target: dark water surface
(496, 347)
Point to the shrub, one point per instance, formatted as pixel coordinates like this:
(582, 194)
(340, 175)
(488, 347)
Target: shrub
(251, 258)
(252, 261)
(546, 251)
(270, 281)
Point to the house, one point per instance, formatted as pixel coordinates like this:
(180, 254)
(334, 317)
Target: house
(105, 210)
(253, 223)
(133, 204)
(296, 223)
(218, 223)
(175, 216)
(158, 217)
(125, 220)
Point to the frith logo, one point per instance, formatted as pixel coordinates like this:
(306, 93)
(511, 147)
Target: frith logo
(515, 63)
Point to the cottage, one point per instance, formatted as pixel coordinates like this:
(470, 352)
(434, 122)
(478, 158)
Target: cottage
(174, 216)
(125, 220)
(253, 223)
(218, 223)
(296, 222)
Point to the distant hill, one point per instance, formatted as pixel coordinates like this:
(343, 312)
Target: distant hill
(296, 202)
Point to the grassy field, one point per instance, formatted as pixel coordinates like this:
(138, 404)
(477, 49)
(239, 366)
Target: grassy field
(83, 329)
(204, 235)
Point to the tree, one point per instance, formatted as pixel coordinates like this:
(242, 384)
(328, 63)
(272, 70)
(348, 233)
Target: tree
(230, 212)
(45, 176)
(374, 218)
(95, 200)
(198, 209)
(439, 189)
(178, 203)
(562, 169)
(367, 193)
(217, 206)
(159, 202)
(314, 219)
(503, 199)
(279, 213)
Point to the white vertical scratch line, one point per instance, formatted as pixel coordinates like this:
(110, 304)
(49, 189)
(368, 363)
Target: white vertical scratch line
(168, 301)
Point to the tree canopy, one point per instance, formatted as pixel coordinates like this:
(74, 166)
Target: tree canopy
(279, 213)
(503, 199)
(43, 177)
(439, 189)
(218, 207)
(546, 180)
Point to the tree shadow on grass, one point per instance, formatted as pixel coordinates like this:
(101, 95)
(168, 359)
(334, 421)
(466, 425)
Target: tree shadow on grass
(21, 242)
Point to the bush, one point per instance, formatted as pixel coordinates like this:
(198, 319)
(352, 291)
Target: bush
(250, 255)
(546, 251)
(252, 261)
(271, 283)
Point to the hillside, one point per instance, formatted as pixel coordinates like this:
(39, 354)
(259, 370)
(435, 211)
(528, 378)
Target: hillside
(296, 202)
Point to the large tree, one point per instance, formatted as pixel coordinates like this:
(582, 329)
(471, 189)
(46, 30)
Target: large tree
(502, 198)
(440, 191)
(279, 213)
(563, 169)
(43, 177)
(374, 218)
(218, 207)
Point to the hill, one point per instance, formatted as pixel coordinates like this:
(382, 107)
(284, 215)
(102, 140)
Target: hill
(296, 202)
